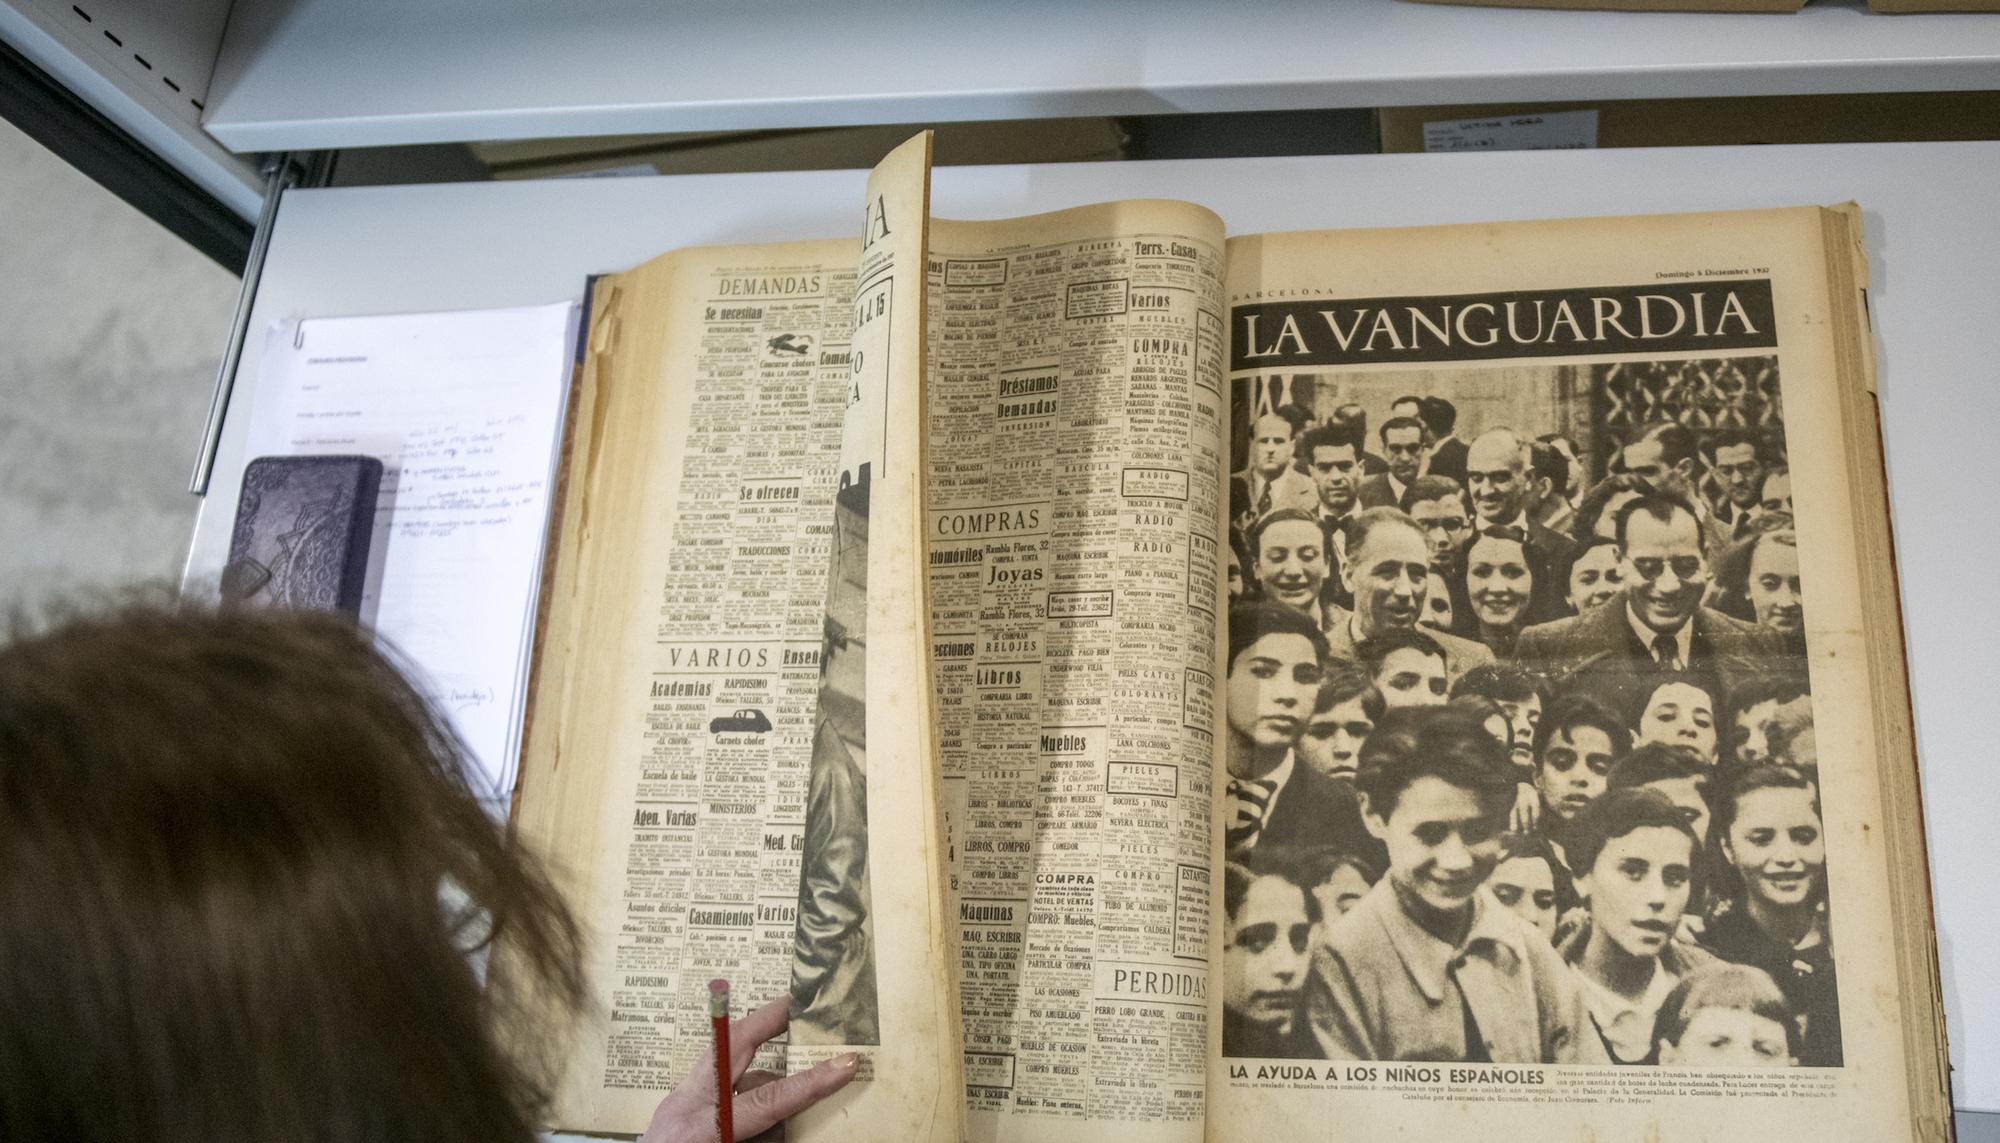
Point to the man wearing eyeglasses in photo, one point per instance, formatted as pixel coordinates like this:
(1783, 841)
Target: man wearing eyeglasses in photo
(1738, 464)
(1437, 504)
(1656, 623)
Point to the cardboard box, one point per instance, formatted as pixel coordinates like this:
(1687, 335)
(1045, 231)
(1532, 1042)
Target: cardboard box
(1934, 5)
(1873, 118)
(1729, 5)
(825, 148)
(1645, 5)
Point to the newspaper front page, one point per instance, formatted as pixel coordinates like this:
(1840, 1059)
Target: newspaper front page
(1549, 550)
(1072, 551)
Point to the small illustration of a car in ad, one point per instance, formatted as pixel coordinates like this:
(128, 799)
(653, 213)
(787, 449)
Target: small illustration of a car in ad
(747, 721)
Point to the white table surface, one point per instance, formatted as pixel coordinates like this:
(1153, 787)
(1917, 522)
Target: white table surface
(305, 74)
(1933, 242)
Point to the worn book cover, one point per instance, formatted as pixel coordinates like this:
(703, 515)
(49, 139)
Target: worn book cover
(302, 533)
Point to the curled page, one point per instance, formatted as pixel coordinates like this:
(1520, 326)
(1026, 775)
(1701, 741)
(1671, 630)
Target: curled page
(873, 972)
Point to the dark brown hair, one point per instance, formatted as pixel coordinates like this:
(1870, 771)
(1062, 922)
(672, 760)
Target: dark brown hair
(243, 886)
(1252, 619)
(1433, 742)
(1617, 813)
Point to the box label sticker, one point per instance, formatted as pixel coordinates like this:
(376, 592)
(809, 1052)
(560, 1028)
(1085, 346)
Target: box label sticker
(1554, 131)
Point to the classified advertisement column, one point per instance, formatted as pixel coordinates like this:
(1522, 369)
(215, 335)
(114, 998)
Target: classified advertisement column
(665, 776)
(718, 808)
(1072, 538)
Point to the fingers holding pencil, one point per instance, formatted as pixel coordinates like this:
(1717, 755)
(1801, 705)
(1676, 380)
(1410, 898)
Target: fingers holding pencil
(687, 1114)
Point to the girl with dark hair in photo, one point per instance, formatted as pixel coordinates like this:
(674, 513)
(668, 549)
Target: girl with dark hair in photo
(1683, 779)
(1765, 714)
(1522, 696)
(1349, 706)
(1524, 881)
(243, 887)
(1291, 560)
(1487, 714)
(1635, 859)
(1339, 880)
(1596, 575)
(1773, 912)
(1499, 585)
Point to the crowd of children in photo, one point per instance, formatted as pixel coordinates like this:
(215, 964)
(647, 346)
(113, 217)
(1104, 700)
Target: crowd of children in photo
(1520, 770)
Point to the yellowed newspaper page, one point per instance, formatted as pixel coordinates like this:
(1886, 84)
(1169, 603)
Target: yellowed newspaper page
(1565, 788)
(875, 967)
(698, 762)
(671, 726)
(1072, 550)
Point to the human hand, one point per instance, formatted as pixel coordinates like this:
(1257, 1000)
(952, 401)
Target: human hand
(687, 1114)
(1527, 809)
(1691, 927)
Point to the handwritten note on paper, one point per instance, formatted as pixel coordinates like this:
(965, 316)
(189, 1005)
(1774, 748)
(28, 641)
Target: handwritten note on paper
(463, 409)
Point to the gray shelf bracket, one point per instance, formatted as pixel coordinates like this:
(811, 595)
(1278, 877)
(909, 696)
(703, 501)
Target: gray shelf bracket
(281, 172)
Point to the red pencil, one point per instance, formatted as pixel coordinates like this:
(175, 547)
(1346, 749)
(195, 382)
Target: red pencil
(718, 1022)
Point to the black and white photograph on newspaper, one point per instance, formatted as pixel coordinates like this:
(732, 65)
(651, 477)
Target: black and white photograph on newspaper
(834, 1000)
(1520, 751)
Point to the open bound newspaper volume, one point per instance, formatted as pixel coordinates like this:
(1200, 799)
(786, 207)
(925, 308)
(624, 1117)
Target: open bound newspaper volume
(1352, 678)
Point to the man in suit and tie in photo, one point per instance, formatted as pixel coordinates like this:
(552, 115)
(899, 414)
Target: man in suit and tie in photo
(1439, 507)
(1738, 464)
(1403, 445)
(1271, 482)
(1497, 476)
(1656, 623)
(1332, 455)
(1277, 658)
(1447, 453)
(1385, 566)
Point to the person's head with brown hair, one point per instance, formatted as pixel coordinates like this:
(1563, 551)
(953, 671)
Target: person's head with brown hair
(240, 876)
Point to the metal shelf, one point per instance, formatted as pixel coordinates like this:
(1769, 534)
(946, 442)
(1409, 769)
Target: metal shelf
(300, 74)
(145, 67)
